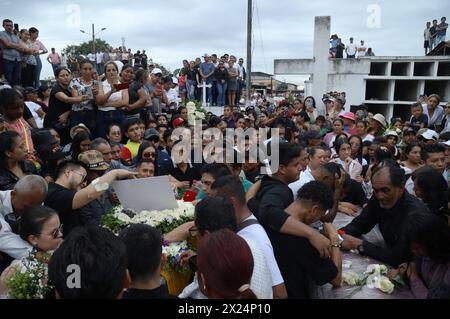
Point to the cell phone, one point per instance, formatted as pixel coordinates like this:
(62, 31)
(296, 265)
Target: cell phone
(16, 27)
(121, 86)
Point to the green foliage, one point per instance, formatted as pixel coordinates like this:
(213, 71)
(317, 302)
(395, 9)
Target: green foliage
(86, 47)
(112, 223)
(31, 283)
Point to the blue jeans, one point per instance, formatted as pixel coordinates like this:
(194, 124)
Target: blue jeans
(37, 80)
(55, 67)
(83, 117)
(100, 68)
(221, 93)
(439, 39)
(191, 90)
(105, 119)
(12, 70)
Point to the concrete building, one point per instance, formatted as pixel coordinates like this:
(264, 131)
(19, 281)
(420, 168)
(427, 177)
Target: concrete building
(267, 85)
(387, 85)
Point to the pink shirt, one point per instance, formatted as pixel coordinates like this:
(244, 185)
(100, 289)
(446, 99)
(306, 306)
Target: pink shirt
(54, 58)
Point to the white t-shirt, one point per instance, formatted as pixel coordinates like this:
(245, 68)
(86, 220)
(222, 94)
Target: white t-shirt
(33, 107)
(117, 96)
(257, 233)
(305, 178)
(91, 57)
(351, 49)
(260, 283)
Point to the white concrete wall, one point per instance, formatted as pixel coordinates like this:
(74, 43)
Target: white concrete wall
(352, 84)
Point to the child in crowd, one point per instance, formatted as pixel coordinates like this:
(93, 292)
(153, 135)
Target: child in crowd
(418, 119)
(134, 132)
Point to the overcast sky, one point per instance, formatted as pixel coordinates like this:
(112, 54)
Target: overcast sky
(173, 30)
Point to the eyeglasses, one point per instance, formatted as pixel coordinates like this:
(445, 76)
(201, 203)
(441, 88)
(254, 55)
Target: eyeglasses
(193, 231)
(83, 176)
(149, 155)
(55, 232)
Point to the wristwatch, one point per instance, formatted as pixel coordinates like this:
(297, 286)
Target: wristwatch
(361, 249)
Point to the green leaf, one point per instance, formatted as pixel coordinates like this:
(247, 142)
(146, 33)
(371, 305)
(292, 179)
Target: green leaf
(398, 282)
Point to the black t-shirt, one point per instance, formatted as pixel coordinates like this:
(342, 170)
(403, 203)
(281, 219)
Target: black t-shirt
(192, 173)
(355, 195)
(416, 122)
(144, 59)
(61, 200)
(140, 294)
(134, 96)
(300, 265)
(56, 107)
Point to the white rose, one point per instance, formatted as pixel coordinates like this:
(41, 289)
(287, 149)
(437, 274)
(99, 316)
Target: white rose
(383, 270)
(350, 278)
(375, 269)
(200, 115)
(385, 285)
(123, 217)
(373, 281)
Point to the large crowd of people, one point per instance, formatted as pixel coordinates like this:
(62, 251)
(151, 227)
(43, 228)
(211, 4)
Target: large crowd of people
(262, 233)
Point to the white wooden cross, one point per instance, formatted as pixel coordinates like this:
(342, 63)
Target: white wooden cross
(204, 86)
(325, 73)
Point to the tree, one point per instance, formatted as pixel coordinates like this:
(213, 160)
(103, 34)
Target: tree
(86, 47)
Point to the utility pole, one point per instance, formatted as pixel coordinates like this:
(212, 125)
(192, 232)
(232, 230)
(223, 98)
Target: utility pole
(93, 38)
(249, 50)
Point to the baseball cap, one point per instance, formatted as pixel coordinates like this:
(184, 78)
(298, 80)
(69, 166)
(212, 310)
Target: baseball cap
(156, 71)
(94, 160)
(349, 116)
(76, 127)
(446, 143)
(430, 135)
(410, 131)
(151, 134)
(206, 55)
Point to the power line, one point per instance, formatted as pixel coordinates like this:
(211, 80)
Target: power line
(260, 35)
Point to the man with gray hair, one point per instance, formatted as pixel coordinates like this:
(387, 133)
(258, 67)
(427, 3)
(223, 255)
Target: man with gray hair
(29, 192)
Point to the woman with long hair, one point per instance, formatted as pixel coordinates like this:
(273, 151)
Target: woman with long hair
(344, 151)
(413, 157)
(86, 84)
(428, 275)
(225, 266)
(80, 144)
(110, 101)
(13, 160)
(430, 186)
(60, 105)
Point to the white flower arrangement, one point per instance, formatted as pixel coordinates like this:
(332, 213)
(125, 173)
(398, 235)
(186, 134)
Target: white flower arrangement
(195, 113)
(375, 276)
(30, 280)
(164, 220)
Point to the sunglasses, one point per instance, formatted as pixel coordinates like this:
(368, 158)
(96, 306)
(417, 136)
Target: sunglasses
(149, 155)
(55, 233)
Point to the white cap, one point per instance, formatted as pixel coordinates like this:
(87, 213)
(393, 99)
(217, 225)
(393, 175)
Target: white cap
(156, 71)
(430, 135)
